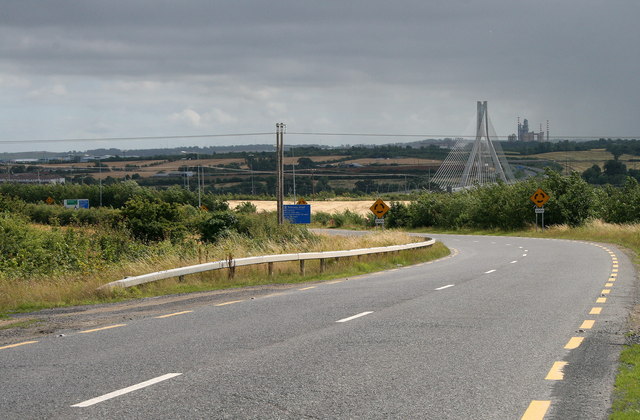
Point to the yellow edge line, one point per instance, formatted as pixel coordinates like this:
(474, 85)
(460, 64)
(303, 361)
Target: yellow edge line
(103, 328)
(17, 345)
(574, 343)
(307, 288)
(537, 410)
(556, 372)
(174, 314)
(229, 303)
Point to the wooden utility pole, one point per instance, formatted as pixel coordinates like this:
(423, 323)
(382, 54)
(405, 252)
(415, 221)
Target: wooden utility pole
(280, 170)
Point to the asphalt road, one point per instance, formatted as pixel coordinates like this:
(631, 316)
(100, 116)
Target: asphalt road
(496, 331)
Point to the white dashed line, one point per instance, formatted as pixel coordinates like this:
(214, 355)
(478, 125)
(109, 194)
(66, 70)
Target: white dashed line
(126, 390)
(513, 262)
(489, 272)
(445, 287)
(355, 316)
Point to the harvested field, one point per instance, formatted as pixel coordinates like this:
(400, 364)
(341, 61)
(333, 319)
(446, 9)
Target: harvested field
(359, 207)
(583, 160)
(394, 161)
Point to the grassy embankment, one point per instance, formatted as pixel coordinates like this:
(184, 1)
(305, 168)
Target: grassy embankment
(25, 295)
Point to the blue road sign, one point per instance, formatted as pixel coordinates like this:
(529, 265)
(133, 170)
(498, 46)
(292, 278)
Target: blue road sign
(297, 213)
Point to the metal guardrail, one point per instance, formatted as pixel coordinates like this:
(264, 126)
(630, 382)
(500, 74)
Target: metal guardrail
(265, 259)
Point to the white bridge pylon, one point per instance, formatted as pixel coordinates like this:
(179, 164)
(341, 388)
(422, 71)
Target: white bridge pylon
(475, 162)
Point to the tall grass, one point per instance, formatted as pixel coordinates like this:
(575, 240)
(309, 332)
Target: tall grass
(626, 235)
(71, 288)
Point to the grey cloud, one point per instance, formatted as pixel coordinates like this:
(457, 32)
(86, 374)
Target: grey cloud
(571, 60)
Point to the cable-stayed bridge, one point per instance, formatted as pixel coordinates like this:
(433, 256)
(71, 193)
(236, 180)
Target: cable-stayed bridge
(475, 162)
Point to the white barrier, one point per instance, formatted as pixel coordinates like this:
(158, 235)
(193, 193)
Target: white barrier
(232, 263)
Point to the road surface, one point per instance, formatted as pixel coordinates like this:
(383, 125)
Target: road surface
(503, 328)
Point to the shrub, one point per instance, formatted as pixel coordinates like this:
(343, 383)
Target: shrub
(398, 216)
(572, 202)
(217, 225)
(321, 217)
(152, 220)
(246, 207)
(620, 205)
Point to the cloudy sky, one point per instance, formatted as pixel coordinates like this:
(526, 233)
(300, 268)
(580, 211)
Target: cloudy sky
(94, 69)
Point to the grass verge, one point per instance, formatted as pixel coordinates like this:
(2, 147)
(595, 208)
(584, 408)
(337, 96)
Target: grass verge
(5, 325)
(285, 273)
(626, 404)
(27, 295)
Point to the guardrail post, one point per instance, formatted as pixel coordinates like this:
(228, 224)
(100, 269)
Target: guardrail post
(270, 269)
(232, 267)
(323, 265)
(180, 279)
(302, 267)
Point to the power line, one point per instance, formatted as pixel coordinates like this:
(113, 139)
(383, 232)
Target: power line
(300, 133)
(454, 136)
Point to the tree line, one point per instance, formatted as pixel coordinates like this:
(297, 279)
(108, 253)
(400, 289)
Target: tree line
(508, 207)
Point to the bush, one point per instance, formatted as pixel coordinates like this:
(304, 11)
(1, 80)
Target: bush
(620, 205)
(321, 217)
(151, 220)
(246, 207)
(398, 216)
(500, 206)
(573, 201)
(217, 225)
(347, 218)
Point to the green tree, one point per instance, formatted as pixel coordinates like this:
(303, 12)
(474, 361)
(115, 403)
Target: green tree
(572, 201)
(151, 220)
(218, 225)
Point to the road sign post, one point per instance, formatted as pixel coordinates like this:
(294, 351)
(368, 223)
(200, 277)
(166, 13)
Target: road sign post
(539, 198)
(539, 210)
(379, 208)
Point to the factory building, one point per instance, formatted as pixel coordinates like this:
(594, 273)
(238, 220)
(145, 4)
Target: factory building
(528, 136)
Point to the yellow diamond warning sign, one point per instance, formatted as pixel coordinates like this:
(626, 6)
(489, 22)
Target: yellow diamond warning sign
(539, 198)
(379, 208)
